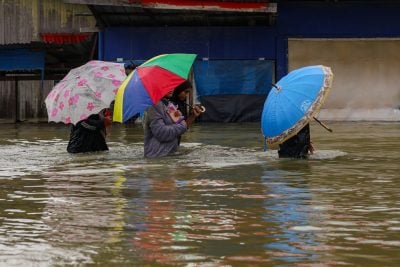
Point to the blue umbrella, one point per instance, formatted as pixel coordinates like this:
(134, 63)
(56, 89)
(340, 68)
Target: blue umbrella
(294, 101)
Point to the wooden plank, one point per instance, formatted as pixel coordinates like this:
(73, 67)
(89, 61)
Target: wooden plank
(7, 21)
(22, 21)
(7, 100)
(47, 87)
(2, 24)
(35, 20)
(27, 24)
(14, 24)
(29, 100)
(21, 87)
(22, 18)
(58, 17)
(31, 97)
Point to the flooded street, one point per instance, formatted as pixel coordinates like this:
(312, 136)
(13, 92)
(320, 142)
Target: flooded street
(222, 202)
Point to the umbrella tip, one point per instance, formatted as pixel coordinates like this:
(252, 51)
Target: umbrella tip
(278, 88)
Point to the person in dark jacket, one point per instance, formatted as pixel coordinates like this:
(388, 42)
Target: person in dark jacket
(89, 135)
(298, 146)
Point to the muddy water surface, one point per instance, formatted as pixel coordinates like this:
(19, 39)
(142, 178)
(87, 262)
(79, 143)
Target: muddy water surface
(222, 201)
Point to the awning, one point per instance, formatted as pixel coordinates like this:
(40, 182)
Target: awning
(21, 59)
(208, 5)
(64, 38)
(230, 6)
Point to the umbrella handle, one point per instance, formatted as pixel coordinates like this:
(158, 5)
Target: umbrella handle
(278, 88)
(323, 125)
(202, 108)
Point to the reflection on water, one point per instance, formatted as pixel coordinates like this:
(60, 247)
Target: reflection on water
(221, 201)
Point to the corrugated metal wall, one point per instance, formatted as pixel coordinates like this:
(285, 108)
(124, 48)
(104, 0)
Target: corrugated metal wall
(22, 21)
(30, 96)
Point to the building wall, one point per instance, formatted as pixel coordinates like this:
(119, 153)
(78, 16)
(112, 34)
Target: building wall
(206, 42)
(306, 22)
(374, 19)
(22, 21)
(23, 100)
(360, 42)
(366, 71)
(365, 64)
(294, 20)
(7, 101)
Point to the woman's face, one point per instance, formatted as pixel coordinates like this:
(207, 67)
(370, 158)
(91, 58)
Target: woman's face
(183, 95)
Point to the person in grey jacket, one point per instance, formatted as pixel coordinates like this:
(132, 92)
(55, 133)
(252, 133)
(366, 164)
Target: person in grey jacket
(162, 129)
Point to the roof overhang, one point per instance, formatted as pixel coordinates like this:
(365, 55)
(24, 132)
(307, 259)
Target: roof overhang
(164, 13)
(192, 5)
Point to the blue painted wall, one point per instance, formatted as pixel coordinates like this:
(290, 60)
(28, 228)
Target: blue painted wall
(374, 19)
(21, 59)
(210, 42)
(302, 20)
(362, 19)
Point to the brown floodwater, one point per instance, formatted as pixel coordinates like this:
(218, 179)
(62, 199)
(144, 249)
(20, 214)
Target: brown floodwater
(222, 201)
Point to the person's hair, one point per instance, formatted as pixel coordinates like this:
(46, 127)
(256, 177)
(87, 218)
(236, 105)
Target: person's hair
(182, 87)
(130, 66)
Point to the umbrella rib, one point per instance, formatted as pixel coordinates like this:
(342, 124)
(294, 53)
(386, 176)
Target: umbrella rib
(292, 103)
(285, 110)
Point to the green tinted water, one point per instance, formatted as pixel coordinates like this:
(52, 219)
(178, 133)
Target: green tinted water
(222, 202)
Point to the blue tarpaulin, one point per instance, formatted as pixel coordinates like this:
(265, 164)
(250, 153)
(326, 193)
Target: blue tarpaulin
(233, 90)
(228, 77)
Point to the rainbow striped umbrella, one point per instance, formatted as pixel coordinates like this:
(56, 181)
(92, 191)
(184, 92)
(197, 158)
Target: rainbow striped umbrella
(149, 82)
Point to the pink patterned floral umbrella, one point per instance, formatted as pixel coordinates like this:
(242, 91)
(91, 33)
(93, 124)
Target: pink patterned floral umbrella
(84, 91)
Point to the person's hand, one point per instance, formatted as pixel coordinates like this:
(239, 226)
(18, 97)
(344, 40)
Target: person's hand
(196, 111)
(175, 115)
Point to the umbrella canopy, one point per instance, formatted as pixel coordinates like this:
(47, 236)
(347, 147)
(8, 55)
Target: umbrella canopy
(149, 82)
(84, 91)
(294, 101)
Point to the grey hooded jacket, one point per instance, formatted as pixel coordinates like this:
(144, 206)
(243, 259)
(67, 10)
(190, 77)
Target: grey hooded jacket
(160, 132)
